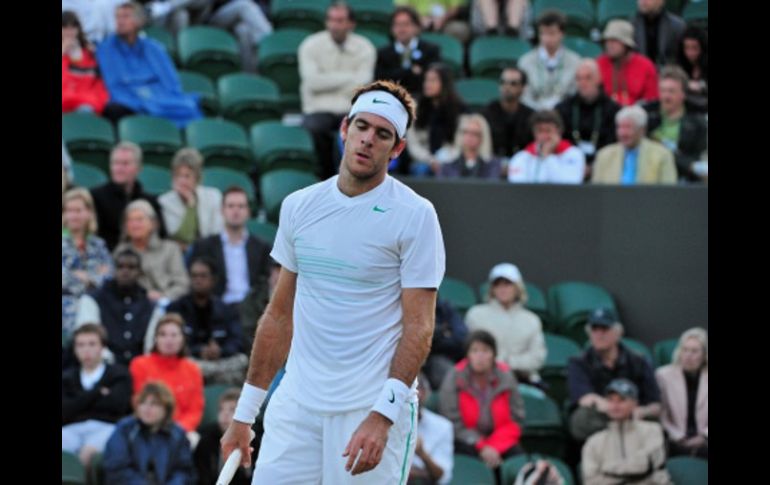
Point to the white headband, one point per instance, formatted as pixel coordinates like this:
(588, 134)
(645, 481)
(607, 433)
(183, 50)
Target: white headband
(384, 104)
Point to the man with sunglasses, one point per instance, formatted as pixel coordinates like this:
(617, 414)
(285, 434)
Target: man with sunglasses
(508, 117)
(589, 374)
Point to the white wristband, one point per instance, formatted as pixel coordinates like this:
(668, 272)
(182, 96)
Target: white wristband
(251, 400)
(391, 399)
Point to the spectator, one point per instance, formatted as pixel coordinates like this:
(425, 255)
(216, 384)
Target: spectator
(549, 159)
(550, 67)
(212, 328)
(590, 373)
(633, 159)
(66, 165)
(448, 345)
(441, 16)
(627, 76)
(241, 260)
(509, 117)
(190, 210)
(149, 448)
(629, 450)
(163, 272)
(434, 451)
(514, 10)
(431, 136)
(657, 32)
(167, 363)
(332, 64)
(693, 57)
(677, 127)
(474, 141)
(112, 198)
(81, 87)
(140, 75)
(685, 396)
(121, 306)
(589, 115)
(407, 57)
(207, 455)
(85, 260)
(518, 332)
(96, 16)
(482, 400)
(94, 396)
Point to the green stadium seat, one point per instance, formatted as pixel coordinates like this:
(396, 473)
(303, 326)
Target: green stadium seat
(276, 146)
(457, 292)
(96, 473)
(615, 9)
(155, 180)
(543, 427)
(663, 352)
(583, 47)
(477, 92)
(89, 138)
(452, 53)
(263, 230)
(165, 38)
(488, 55)
(554, 371)
(470, 471)
(222, 143)
(696, 12)
(248, 98)
(222, 178)
(278, 59)
(72, 471)
(580, 14)
(195, 82)
(687, 470)
(378, 39)
(275, 185)
(88, 176)
(299, 14)
(208, 50)
(511, 467)
(373, 14)
(211, 394)
(569, 304)
(159, 138)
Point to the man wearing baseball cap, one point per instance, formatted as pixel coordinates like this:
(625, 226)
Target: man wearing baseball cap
(629, 450)
(517, 331)
(627, 75)
(605, 360)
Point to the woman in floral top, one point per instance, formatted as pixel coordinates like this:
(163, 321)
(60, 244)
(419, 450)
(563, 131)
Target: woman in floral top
(85, 261)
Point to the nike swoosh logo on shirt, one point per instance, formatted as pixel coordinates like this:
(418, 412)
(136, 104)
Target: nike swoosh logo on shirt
(377, 209)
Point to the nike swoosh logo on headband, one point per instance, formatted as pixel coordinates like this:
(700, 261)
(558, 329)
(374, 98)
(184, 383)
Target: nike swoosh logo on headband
(377, 101)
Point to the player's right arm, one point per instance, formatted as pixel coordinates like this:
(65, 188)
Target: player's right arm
(268, 354)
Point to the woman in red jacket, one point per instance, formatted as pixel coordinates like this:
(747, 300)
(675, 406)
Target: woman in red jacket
(481, 398)
(167, 363)
(81, 86)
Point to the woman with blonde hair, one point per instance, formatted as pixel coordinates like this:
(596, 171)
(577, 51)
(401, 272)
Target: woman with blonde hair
(163, 273)
(684, 393)
(85, 260)
(473, 141)
(190, 210)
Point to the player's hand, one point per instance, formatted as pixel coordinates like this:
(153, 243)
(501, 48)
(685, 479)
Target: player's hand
(370, 439)
(238, 435)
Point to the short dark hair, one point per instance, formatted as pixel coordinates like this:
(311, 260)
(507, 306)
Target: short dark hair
(93, 328)
(514, 67)
(342, 4)
(483, 337)
(411, 12)
(128, 252)
(234, 189)
(552, 17)
(396, 90)
(546, 116)
(207, 262)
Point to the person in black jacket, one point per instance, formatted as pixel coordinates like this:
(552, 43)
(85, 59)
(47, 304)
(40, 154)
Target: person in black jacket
(448, 346)
(405, 60)
(123, 188)
(212, 329)
(657, 32)
(589, 114)
(95, 395)
(508, 117)
(673, 123)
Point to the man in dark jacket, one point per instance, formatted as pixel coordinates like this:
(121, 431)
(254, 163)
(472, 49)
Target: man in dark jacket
(94, 395)
(406, 58)
(657, 32)
(589, 114)
(508, 117)
(448, 345)
(212, 329)
(671, 122)
(111, 199)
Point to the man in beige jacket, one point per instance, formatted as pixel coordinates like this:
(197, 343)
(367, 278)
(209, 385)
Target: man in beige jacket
(629, 450)
(634, 159)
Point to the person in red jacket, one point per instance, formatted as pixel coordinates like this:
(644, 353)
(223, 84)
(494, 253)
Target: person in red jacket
(481, 398)
(81, 86)
(167, 363)
(627, 75)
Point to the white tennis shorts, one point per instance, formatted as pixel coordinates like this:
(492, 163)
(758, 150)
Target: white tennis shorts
(303, 447)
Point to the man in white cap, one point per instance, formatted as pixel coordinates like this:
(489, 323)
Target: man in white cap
(362, 256)
(518, 331)
(627, 75)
